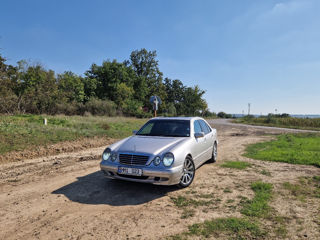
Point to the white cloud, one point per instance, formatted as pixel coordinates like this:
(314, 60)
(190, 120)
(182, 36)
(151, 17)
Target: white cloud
(288, 8)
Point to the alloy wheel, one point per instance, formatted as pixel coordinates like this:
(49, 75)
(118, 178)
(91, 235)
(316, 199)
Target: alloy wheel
(188, 172)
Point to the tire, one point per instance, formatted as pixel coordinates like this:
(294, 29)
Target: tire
(188, 173)
(214, 153)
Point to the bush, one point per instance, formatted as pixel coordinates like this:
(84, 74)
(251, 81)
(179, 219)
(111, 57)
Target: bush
(133, 108)
(67, 108)
(209, 114)
(224, 115)
(8, 103)
(100, 107)
(171, 110)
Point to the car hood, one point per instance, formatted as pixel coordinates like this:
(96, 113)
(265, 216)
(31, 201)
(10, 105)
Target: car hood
(147, 144)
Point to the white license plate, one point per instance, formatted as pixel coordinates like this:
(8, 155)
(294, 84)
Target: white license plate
(130, 171)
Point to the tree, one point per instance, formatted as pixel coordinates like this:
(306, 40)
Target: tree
(108, 77)
(8, 99)
(38, 89)
(175, 93)
(123, 94)
(149, 77)
(71, 87)
(116, 86)
(224, 115)
(193, 103)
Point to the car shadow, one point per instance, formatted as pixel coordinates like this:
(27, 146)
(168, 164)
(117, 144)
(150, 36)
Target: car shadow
(94, 188)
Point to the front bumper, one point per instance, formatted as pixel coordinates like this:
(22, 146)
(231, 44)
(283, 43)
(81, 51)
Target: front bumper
(150, 174)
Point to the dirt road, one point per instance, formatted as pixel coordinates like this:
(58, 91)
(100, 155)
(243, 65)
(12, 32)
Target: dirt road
(66, 196)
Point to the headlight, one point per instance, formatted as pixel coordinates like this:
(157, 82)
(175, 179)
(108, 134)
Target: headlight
(106, 154)
(113, 156)
(156, 160)
(168, 159)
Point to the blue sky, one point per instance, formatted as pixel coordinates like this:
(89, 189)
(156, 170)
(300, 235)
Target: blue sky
(266, 53)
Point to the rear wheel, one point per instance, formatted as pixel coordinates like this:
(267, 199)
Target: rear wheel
(188, 172)
(214, 153)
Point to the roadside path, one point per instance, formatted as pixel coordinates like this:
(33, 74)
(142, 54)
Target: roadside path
(228, 122)
(66, 196)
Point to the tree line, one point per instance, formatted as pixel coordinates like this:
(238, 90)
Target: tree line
(112, 88)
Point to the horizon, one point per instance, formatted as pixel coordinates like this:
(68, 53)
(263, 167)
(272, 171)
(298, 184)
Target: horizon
(263, 53)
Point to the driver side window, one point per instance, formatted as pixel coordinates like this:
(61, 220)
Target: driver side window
(197, 127)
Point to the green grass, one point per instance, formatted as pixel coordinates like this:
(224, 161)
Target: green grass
(187, 213)
(182, 201)
(188, 204)
(265, 172)
(258, 206)
(289, 148)
(236, 228)
(290, 122)
(236, 165)
(306, 187)
(22, 132)
(247, 227)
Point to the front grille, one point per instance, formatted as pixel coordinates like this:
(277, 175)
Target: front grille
(131, 159)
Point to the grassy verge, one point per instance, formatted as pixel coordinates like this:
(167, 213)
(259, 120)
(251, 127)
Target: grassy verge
(236, 165)
(182, 201)
(306, 187)
(246, 227)
(289, 148)
(22, 132)
(236, 228)
(258, 206)
(289, 122)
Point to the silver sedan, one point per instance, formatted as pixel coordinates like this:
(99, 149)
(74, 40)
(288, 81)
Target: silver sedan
(165, 151)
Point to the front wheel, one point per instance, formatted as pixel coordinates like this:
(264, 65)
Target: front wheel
(214, 153)
(188, 173)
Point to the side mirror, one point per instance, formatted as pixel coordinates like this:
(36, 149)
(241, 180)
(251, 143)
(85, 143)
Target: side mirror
(199, 135)
(134, 132)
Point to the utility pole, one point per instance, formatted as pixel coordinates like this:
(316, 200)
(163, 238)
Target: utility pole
(249, 104)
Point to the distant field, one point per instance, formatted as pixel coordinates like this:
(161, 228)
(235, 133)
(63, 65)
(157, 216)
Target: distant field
(289, 122)
(21, 132)
(289, 148)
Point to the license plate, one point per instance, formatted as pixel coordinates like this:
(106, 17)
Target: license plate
(130, 171)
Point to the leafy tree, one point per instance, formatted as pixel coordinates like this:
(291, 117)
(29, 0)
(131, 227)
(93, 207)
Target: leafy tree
(175, 94)
(71, 87)
(224, 115)
(106, 89)
(123, 94)
(108, 77)
(208, 114)
(39, 90)
(149, 77)
(171, 109)
(89, 87)
(8, 99)
(193, 103)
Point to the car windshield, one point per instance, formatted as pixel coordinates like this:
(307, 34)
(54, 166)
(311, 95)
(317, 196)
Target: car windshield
(166, 128)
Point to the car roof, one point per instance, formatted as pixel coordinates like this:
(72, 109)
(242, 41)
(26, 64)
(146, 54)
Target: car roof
(175, 118)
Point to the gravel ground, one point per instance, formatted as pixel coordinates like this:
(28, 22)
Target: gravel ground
(65, 196)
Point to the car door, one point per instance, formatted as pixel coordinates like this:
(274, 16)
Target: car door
(199, 147)
(208, 139)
